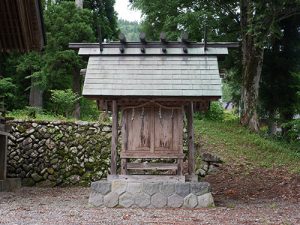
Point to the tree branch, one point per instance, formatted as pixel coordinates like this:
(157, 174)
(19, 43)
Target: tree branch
(287, 14)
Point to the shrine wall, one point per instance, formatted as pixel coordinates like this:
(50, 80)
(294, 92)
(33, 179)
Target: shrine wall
(58, 153)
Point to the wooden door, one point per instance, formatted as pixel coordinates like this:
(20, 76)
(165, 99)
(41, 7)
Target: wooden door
(152, 132)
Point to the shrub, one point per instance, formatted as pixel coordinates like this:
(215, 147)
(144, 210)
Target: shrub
(7, 91)
(215, 112)
(63, 101)
(291, 131)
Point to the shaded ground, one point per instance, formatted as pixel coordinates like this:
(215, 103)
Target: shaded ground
(242, 197)
(242, 185)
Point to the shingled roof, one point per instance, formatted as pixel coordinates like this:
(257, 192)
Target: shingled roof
(165, 69)
(152, 76)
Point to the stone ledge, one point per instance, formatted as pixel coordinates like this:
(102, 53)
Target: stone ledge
(145, 194)
(10, 184)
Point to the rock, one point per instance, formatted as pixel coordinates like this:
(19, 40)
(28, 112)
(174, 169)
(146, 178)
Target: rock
(50, 170)
(175, 201)
(134, 187)
(106, 129)
(54, 161)
(167, 188)
(34, 125)
(111, 200)
(182, 189)
(74, 179)
(159, 200)
(205, 200)
(28, 182)
(103, 187)
(74, 150)
(118, 186)
(30, 131)
(151, 188)
(50, 144)
(96, 199)
(27, 141)
(199, 188)
(36, 177)
(142, 200)
(190, 201)
(126, 200)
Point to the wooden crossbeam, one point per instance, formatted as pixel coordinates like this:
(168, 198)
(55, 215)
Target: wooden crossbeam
(152, 166)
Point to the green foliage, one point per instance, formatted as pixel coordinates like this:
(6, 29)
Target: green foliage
(30, 67)
(89, 110)
(234, 143)
(130, 29)
(281, 74)
(63, 101)
(215, 112)
(7, 91)
(292, 131)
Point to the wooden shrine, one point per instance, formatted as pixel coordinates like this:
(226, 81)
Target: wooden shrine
(153, 86)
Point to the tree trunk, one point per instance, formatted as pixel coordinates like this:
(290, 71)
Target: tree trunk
(76, 89)
(272, 126)
(251, 78)
(252, 68)
(35, 96)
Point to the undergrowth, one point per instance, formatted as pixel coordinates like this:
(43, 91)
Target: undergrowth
(236, 144)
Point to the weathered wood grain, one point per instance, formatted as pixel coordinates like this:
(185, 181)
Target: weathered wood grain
(191, 138)
(114, 139)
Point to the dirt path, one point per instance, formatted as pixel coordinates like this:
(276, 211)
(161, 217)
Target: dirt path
(242, 197)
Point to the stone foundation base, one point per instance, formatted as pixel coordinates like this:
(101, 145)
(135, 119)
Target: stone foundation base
(145, 194)
(10, 184)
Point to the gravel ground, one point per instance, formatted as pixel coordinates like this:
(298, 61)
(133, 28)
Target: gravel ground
(69, 206)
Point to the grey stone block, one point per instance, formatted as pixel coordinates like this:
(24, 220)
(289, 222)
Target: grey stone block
(111, 200)
(175, 201)
(190, 201)
(159, 200)
(167, 188)
(96, 199)
(126, 200)
(151, 188)
(134, 187)
(200, 188)
(102, 187)
(142, 200)
(118, 186)
(182, 189)
(205, 200)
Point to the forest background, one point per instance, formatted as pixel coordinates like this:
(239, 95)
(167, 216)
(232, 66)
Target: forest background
(262, 77)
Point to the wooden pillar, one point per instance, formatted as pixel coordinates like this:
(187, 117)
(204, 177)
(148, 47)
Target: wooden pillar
(191, 138)
(3, 152)
(124, 143)
(114, 139)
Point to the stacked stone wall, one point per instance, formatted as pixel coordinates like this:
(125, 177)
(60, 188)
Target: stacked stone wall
(58, 153)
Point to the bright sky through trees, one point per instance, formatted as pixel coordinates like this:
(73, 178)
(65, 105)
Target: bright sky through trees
(124, 11)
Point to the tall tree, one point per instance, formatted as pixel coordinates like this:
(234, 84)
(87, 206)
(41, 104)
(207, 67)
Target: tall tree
(256, 22)
(281, 75)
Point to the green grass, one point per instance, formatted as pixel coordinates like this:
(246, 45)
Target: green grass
(235, 144)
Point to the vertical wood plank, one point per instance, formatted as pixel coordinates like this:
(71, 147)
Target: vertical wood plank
(191, 138)
(114, 139)
(124, 141)
(152, 129)
(124, 170)
(3, 152)
(179, 167)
